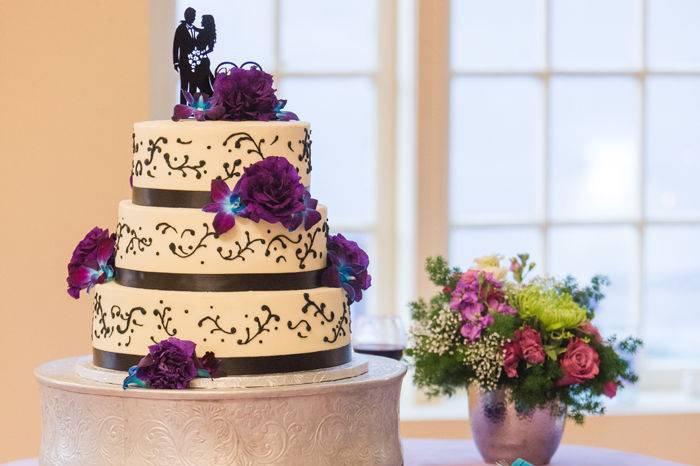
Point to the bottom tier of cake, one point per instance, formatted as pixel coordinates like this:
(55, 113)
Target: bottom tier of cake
(251, 332)
(346, 422)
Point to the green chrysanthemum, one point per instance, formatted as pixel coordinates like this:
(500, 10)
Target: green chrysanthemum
(554, 310)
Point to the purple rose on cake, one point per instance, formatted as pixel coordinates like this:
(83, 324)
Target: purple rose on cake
(246, 94)
(271, 190)
(199, 106)
(225, 204)
(347, 267)
(92, 261)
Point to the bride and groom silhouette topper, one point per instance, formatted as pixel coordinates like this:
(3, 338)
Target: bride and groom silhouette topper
(191, 48)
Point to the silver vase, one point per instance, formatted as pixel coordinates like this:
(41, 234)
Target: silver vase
(502, 433)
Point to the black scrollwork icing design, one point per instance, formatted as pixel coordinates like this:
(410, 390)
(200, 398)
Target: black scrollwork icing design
(165, 320)
(233, 170)
(217, 326)
(339, 329)
(187, 248)
(182, 168)
(305, 155)
(128, 318)
(241, 248)
(136, 243)
(306, 326)
(308, 247)
(319, 309)
(281, 241)
(134, 145)
(241, 138)
(180, 141)
(154, 147)
(261, 326)
(100, 314)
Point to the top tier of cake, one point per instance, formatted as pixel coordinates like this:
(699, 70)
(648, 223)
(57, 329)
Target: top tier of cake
(186, 155)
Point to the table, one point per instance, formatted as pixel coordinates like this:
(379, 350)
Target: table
(427, 452)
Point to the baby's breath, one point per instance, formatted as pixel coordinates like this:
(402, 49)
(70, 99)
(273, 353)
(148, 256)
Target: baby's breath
(485, 357)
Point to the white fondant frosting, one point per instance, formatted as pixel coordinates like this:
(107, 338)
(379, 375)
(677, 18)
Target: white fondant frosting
(176, 240)
(186, 155)
(231, 324)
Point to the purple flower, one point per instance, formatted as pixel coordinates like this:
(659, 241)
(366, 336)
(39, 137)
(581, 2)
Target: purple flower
(347, 267)
(271, 190)
(209, 364)
(284, 115)
(309, 216)
(92, 261)
(246, 94)
(225, 204)
(168, 364)
(199, 106)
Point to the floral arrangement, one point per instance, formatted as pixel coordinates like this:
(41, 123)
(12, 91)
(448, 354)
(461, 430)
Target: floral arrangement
(492, 327)
(347, 267)
(240, 94)
(172, 363)
(92, 261)
(268, 190)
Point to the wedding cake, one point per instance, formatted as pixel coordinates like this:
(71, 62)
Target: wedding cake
(221, 306)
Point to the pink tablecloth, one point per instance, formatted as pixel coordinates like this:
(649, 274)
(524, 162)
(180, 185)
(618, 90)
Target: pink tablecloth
(425, 452)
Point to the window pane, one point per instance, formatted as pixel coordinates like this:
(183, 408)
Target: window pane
(497, 34)
(674, 34)
(318, 35)
(673, 162)
(596, 34)
(238, 21)
(488, 168)
(672, 292)
(466, 244)
(595, 133)
(343, 153)
(611, 251)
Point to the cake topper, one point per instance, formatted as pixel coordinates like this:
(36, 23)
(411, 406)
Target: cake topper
(233, 92)
(191, 48)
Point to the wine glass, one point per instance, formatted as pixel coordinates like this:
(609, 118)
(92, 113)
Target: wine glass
(380, 335)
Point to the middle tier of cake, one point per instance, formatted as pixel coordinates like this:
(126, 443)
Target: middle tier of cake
(153, 241)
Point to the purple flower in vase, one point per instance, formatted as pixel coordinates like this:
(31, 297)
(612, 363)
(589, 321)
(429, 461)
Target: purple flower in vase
(225, 204)
(246, 94)
(309, 216)
(92, 261)
(284, 115)
(347, 267)
(271, 191)
(199, 106)
(168, 364)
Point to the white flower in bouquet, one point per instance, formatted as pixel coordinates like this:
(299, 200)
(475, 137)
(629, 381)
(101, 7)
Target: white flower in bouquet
(492, 265)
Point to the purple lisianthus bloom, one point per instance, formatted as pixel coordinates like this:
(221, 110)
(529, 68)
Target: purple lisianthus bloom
(208, 364)
(200, 106)
(284, 115)
(168, 364)
(347, 267)
(271, 190)
(246, 94)
(309, 216)
(225, 204)
(92, 261)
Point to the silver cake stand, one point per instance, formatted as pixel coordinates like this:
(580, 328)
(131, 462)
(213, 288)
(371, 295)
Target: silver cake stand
(350, 421)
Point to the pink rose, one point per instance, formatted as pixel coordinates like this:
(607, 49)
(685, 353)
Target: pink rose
(579, 363)
(610, 389)
(530, 343)
(591, 330)
(511, 358)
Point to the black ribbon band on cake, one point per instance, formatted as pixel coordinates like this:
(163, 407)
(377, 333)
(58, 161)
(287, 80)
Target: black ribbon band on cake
(253, 365)
(218, 282)
(153, 197)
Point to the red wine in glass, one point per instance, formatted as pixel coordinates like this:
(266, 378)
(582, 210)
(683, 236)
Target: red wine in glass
(386, 350)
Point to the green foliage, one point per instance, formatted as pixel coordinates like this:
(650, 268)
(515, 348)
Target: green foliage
(504, 325)
(587, 297)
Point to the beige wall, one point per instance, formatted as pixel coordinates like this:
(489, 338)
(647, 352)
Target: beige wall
(74, 76)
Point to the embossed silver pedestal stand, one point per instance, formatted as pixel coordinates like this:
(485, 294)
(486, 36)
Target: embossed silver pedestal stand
(352, 421)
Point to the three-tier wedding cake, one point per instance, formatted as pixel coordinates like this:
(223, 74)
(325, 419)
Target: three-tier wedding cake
(221, 306)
